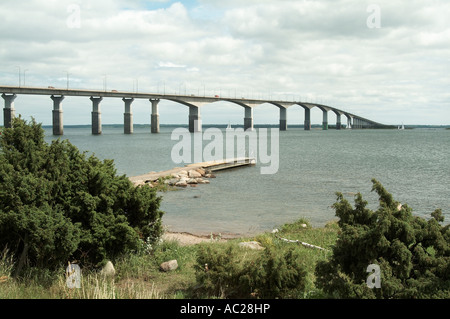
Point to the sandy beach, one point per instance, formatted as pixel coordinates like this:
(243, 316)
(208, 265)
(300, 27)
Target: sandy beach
(185, 239)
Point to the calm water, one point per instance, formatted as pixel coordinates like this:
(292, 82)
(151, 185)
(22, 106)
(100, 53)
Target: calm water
(414, 165)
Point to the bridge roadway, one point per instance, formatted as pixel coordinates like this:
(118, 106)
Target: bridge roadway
(194, 102)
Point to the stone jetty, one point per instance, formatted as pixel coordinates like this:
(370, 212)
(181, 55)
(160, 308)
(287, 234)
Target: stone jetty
(192, 174)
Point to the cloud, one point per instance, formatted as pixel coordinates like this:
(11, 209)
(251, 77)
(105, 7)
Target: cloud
(170, 65)
(312, 49)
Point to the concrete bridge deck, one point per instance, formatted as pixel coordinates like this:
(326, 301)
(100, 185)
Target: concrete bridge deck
(194, 102)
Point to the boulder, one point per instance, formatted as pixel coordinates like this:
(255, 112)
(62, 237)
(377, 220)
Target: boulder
(251, 245)
(194, 174)
(169, 265)
(182, 173)
(171, 181)
(201, 171)
(192, 181)
(108, 270)
(181, 183)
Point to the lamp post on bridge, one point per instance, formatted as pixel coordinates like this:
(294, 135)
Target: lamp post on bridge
(67, 79)
(20, 80)
(24, 76)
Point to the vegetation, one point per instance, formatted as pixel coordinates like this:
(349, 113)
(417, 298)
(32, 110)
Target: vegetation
(413, 254)
(268, 274)
(138, 274)
(58, 205)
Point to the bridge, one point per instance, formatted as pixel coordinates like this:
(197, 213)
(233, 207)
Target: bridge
(194, 102)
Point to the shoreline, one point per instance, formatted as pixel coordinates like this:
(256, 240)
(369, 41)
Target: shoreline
(187, 239)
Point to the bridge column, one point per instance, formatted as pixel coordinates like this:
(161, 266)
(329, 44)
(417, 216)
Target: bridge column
(155, 116)
(307, 119)
(338, 121)
(195, 120)
(128, 116)
(248, 119)
(283, 119)
(8, 111)
(58, 127)
(96, 115)
(325, 120)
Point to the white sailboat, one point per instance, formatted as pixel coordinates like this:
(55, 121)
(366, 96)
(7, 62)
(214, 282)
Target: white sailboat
(402, 127)
(229, 128)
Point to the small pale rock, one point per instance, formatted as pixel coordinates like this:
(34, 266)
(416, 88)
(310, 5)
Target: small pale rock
(251, 244)
(108, 270)
(169, 265)
(183, 173)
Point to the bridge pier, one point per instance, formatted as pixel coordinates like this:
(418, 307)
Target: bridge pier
(128, 116)
(283, 119)
(195, 120)
(57, 113)
(248, 119)
(8, 111)
(338, 121)
(349, 121)
(96, 115)
(154, 121)
(325, 120)
(307, 119)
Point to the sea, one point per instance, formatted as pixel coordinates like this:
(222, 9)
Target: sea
(412, 164)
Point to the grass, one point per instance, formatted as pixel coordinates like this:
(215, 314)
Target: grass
(138, 275)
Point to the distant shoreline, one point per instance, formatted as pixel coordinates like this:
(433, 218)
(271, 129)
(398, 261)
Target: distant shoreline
(239, 125)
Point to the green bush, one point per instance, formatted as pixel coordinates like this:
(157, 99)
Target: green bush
(236, 273)
(57, 204)
(413, 254)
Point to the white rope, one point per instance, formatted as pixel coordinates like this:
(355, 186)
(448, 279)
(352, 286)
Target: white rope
(302, 243)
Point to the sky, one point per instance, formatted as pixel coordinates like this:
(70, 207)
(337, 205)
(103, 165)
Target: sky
(387, 61)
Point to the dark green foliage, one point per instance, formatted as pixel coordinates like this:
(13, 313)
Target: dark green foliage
(413, 254)
(57, 204)
(234, 274)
